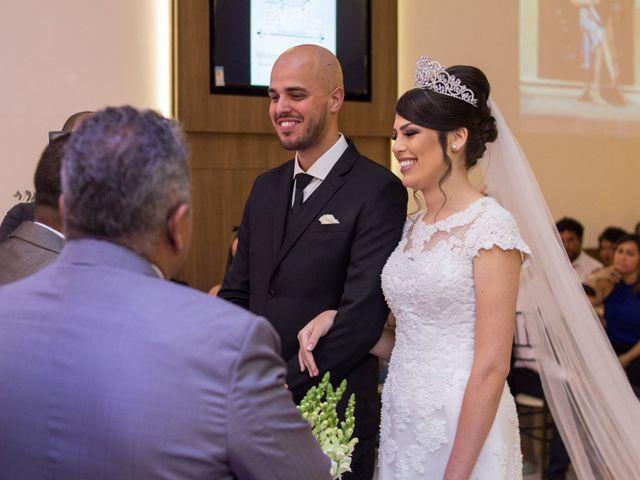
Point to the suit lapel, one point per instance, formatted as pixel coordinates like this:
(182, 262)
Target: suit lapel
(281, 208)
(313, 205)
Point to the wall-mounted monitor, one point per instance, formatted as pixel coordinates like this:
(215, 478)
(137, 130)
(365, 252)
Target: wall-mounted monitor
(246, 37)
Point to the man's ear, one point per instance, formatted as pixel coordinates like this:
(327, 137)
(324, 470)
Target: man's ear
(178, 227)
(336, 99)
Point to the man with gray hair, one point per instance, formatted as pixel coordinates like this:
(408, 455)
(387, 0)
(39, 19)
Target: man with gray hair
(111, 372)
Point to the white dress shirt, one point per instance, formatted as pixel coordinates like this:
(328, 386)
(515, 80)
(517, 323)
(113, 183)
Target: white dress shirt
(320, 168)
(584, 265)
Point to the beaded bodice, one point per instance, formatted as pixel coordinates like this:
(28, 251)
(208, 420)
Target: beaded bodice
(429, 285)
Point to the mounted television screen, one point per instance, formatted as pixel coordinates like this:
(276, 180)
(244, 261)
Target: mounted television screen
(247, 36)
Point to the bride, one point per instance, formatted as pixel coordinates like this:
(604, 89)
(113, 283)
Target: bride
(451, 284)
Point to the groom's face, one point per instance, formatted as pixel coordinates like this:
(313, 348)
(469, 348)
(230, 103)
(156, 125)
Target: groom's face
(299, 106)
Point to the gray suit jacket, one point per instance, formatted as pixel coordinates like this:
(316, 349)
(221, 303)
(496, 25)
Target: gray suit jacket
(108, 372)
(29, 248)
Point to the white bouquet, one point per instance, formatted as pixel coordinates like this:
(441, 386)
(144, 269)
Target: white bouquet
(318, 407)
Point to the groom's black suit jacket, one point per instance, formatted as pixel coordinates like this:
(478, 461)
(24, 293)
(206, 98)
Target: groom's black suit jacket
(322, 266)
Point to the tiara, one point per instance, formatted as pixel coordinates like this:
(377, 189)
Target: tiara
(432, 75)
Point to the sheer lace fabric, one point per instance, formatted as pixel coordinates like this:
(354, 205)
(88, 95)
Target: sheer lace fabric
(428, 284)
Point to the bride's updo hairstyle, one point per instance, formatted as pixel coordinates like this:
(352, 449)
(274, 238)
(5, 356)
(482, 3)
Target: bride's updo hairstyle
(444, 113)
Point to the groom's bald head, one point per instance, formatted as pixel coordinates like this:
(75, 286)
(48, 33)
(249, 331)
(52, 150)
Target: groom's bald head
(307, 92)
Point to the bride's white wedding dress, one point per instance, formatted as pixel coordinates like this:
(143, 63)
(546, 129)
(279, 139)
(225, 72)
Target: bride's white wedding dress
(428, 284)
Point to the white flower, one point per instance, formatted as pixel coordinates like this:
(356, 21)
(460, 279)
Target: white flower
(318, 407)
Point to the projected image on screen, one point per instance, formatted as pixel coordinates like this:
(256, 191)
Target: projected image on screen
(277, 25)
(580, 66)
(247, 36)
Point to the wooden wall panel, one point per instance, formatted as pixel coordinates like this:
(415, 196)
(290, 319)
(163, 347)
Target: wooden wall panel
(232, 140)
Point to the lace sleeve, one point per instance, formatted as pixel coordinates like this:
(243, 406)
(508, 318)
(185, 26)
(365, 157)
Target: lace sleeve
(495, 226)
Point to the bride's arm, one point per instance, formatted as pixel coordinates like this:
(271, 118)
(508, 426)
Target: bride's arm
(309, 336)
(496, 276)
(384, 345)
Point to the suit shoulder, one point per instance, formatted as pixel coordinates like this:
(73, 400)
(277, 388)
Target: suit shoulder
(22, 211)
(374, 180)
(376, 171)
(274, 173)
(181, 315)
(200, 304)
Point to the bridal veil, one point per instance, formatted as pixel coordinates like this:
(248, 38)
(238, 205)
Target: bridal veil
(588, 393)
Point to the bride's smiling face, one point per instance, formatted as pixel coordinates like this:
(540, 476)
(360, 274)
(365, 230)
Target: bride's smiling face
(419, 154)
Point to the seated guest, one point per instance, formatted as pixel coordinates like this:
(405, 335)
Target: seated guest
(26, 211)
(607, 241)
(571, 232)
(618, 289)
(112, 372)
(34, 245)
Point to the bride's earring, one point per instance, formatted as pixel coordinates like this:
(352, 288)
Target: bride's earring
(454, 147)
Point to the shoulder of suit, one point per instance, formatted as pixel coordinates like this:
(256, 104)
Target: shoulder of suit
(376, 170)
(22, 211)
(200, 304)
(275, 172)
(187, 314)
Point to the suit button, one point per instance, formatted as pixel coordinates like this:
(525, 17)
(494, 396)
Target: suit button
(271, 293)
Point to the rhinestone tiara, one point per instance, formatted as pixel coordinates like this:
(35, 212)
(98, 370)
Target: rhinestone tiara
(432, 75)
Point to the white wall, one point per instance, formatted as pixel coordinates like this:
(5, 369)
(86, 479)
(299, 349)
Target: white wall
(71, 55)
(593, 178)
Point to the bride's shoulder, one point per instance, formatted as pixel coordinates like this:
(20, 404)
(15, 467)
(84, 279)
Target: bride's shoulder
(493, 212)
(495, 225)
(493, 218)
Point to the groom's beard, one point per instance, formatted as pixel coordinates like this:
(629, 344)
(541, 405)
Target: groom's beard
(310, 136)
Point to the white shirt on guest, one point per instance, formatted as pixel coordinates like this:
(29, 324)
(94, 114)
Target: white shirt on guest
(584, 265)
(320, 168)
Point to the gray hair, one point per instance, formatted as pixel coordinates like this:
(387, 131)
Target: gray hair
(124, 172)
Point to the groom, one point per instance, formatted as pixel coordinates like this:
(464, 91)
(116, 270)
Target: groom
(315, 234)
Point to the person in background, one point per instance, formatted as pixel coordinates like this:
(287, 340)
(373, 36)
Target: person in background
(571, 232)
(35, 244)
(607, 241)
(618, 290)
(26, 210)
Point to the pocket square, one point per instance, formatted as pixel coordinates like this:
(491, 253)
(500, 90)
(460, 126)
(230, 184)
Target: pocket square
(328, 219)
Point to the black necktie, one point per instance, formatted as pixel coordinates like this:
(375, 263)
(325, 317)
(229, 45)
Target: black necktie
(302, 180)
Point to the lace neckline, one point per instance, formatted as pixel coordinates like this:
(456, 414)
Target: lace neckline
(456, 219)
